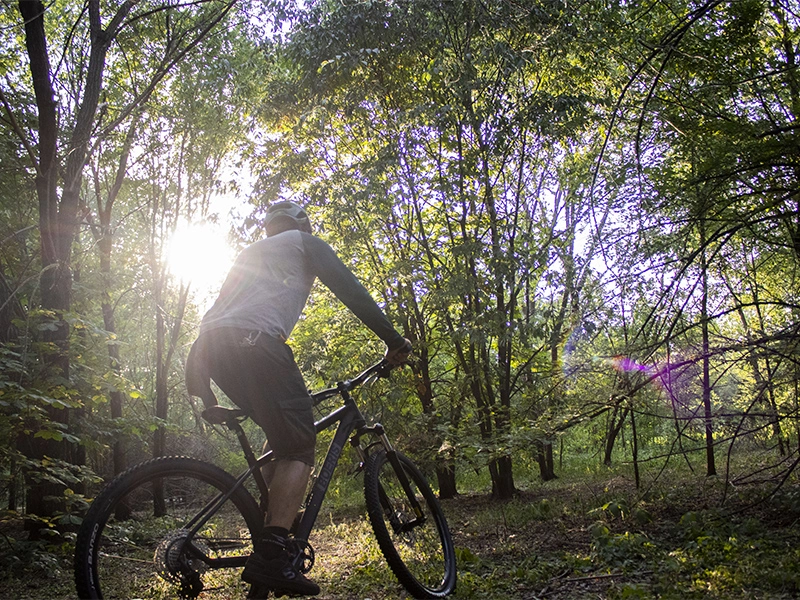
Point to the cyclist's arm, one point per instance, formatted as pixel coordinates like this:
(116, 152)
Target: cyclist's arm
(347, 288)
(198, 381)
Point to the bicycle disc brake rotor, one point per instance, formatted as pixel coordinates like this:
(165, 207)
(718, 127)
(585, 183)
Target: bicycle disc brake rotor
(175, 565)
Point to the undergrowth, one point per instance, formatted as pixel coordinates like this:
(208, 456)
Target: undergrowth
(585, 535)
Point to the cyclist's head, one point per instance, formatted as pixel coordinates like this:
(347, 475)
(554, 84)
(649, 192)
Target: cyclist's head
(283, 216)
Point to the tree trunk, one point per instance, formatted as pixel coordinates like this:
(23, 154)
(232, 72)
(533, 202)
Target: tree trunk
(105, 243)
(445, 465)
(416, 322)
(505, 488)
(119, 449)
(55, 280)
(711, 468)
(446, 479)
(58, 217)
(614, 428)
(635, 449)
(12, 484)
(544, 456)
(166, 343)
(10, 309)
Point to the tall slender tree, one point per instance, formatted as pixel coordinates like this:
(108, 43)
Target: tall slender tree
(60, 170)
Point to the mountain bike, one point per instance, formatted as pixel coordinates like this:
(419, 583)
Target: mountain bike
(178, 526)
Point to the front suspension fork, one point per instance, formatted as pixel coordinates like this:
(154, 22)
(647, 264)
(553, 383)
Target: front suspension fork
(379, 432)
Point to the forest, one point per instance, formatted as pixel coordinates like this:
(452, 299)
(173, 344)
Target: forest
(585, 215)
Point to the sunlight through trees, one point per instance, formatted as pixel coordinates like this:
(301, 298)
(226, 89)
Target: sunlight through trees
(585, 216)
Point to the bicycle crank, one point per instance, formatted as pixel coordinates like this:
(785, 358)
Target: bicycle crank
(301, 554)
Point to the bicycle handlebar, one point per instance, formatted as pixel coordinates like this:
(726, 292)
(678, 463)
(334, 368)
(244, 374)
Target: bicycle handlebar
(380, 369)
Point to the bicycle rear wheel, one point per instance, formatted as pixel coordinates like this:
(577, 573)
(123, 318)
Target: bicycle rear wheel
(417, 547)
(133, 542)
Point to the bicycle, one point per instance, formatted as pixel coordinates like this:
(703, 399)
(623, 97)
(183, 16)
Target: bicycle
(179, 526)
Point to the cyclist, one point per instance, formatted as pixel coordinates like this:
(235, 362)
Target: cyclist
(242, 348)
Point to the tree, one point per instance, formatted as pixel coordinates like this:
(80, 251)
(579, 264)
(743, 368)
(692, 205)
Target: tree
(457, 118)
(709, 136)
(59, 170)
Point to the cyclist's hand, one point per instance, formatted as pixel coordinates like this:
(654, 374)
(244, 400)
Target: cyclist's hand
(399, 356)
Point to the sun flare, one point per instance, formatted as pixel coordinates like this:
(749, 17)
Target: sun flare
(199, 254)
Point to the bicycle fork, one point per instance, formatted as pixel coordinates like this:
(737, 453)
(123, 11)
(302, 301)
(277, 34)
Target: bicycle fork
(394, 515)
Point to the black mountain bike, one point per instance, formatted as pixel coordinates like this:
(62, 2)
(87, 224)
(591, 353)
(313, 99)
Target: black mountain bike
(177, 526)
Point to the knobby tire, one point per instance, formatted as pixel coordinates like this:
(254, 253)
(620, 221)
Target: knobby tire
(422, 557)
(129, 542)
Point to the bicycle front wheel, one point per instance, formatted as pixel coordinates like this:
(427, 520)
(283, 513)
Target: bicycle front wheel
(414, 539)
(135, 540)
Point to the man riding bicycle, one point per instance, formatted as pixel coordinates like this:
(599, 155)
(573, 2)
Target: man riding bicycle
(242, 348)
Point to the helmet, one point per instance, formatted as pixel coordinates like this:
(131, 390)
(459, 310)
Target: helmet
(283, 216)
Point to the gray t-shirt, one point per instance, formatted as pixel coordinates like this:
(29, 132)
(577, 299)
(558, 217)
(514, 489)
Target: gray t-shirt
(269, 284)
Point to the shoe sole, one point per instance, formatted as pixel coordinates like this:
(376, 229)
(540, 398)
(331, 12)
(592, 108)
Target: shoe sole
(278, 587)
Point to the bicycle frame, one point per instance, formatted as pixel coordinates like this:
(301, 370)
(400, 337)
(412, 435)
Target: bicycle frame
(349, 419)
(350, 427)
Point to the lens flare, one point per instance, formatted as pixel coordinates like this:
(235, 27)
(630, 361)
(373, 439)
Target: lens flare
(625, 364)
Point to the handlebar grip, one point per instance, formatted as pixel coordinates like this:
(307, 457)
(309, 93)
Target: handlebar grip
(384, 368)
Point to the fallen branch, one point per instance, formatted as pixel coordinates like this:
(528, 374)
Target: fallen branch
(606, 576)
(546, 590)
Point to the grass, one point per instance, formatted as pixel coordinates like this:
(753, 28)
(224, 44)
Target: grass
(589, 534)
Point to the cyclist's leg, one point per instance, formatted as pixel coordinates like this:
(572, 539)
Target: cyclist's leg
(268, 473)
(287, 490)
(272, 565)
(285, 414)
(268, 470)
(264, 379)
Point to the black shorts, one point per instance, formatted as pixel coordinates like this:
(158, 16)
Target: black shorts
(259, 374)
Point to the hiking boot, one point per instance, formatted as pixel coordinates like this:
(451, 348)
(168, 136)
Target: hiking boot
(278, 574)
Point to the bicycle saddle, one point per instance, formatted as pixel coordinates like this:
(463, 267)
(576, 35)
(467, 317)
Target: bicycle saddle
(219, 415)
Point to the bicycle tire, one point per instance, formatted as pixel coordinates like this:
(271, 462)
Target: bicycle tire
(125, 550)
(422, 557)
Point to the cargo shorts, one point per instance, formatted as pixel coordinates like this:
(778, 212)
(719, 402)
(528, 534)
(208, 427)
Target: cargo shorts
(259, 374)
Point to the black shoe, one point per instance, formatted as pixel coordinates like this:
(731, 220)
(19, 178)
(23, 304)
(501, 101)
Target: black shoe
(278, 574)
(258, 592)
